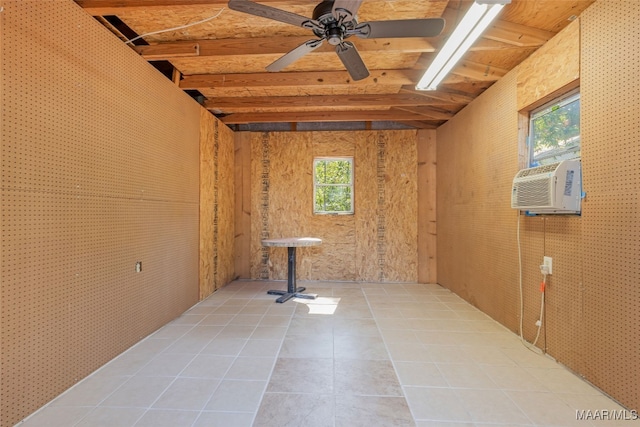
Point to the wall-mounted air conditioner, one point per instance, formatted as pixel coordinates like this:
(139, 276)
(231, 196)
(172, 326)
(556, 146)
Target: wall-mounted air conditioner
(549, 189)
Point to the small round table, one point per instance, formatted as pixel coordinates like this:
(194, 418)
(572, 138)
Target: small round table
(291, 243)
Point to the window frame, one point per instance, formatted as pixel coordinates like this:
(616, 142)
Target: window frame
(350, 185)
(547, 107)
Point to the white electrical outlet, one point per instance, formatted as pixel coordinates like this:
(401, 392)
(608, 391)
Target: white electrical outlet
(548, 262)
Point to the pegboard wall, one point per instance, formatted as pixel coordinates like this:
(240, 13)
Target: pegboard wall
(475, 169)
(592, 317)
(378, 243)
(611, 168)
(99, 170)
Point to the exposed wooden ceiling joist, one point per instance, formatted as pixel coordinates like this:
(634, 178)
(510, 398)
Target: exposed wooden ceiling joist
(223, 59)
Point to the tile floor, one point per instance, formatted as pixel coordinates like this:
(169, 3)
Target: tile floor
(359, 355)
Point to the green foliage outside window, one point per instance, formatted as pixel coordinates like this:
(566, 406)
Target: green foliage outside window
(333, 185)
(555, 131)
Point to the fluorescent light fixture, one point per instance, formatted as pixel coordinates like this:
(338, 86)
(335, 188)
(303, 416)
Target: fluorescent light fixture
(477, 19)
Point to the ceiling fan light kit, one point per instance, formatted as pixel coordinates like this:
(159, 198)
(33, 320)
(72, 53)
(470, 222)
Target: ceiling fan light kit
(335, 21)
(476, 20)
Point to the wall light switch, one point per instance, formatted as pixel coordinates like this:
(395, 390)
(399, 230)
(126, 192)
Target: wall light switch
(138, 266)
(548, 262)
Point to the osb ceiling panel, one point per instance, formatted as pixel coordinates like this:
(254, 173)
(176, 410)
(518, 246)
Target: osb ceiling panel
(231, 43)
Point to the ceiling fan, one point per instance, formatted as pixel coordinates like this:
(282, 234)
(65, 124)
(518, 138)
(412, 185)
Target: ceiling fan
(335, 21)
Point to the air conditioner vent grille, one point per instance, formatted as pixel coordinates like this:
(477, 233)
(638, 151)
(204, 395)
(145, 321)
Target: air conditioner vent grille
(534, 193)
(538, 170)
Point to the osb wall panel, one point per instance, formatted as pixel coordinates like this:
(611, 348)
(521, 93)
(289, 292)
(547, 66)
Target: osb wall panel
(377, 243)
(591, 322)
(611, 161)
(476, 240)
(427, 230)
(242, 208)
(96, 175)
(217, 201)
(552, 67)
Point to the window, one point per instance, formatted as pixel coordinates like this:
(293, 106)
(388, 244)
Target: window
(333, 185)
(554, 131)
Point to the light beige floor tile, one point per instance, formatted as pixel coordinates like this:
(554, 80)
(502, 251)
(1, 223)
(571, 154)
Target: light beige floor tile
(280, 321)
(466, 376)
(246, 319)
(217, 319)
(151, 346)
(126, 364)
(226, 351)
(408, 352)
(311, 326)
(166, 364)
(225, 346)
(307, 346)
(269, 333)
(486, 406)
(545, 408)
(138, 391)
(399, 335)
(101, 417)
(187, 394)
(366, 377)
(236, 331)
(448, 354)
(435, 404)
(56, 416)
(485, 355)
(167, 418)
(425, 374)
(560, 380)
(290, 409)
(237, 396)
(296, 375)
(90, 392)
(208, 366)
(172, 331)
(261, 348)
(224, 419)
(250, 368)
(192, 343)
(359, 327)
(359, 347)
(513, 378)
(372, 411)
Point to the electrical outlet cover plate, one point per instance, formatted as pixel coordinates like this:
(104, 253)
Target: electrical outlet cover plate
(548, 261)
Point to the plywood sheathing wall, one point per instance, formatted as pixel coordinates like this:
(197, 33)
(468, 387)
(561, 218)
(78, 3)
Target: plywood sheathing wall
(216, 204)
(378, 243)
(593, 296)
(99, 170)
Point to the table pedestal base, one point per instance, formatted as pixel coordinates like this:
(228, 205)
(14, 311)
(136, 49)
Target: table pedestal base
(286, 295)
(292, 289)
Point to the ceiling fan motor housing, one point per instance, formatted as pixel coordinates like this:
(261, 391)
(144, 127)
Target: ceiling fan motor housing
(334, 31)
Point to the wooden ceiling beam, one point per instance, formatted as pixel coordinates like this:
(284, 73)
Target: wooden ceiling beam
(113, 7)
(326, 116)
(275, 45)
(299, 78)
(481, 72)
(251, 103)
(447, 97)
(517, 34)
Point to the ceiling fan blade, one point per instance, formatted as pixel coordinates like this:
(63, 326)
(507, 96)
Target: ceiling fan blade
(428, 27)
(345, 9)
(265, 11)
(292, 56)
(352, 61)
